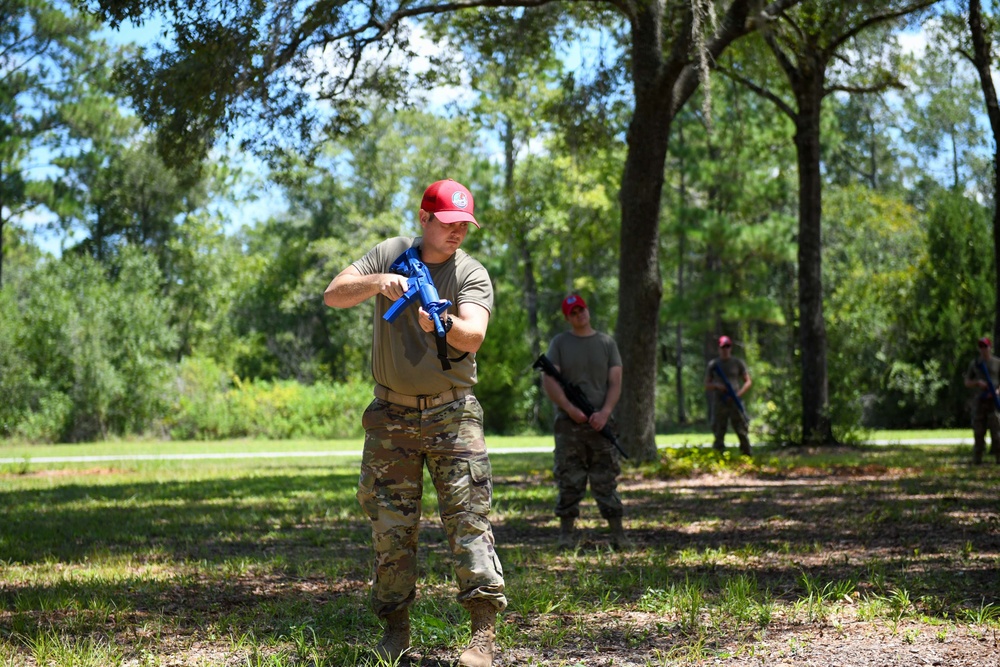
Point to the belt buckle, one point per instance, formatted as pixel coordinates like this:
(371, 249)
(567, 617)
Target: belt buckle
(424, 402)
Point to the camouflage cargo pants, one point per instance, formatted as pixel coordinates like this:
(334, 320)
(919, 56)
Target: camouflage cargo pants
(582, 454)
(985, 418)
(399, 441)
(726, 412)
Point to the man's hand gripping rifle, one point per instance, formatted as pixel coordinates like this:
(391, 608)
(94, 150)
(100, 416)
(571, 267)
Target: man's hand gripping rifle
(420, 286)
(732, 393)
(576, 397)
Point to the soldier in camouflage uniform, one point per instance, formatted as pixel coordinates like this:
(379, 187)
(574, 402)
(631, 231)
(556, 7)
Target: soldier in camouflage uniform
(984, 409)
(424, 413)
(724, 408)
(589, 359)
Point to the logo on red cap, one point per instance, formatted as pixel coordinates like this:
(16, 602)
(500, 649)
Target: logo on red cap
(450, 202)
(571, 302)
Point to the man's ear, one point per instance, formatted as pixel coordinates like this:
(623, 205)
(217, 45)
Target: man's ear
(424, 217)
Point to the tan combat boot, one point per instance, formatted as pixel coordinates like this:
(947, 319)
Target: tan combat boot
(480, 650)
(567, 538)
(396, 637)
(618, 537)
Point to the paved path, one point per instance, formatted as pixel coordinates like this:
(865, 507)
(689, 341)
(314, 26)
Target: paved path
(357, 453)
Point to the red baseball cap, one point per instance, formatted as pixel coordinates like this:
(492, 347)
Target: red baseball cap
(985, 341)
(724, 340)
(571, 302)
(449, 201)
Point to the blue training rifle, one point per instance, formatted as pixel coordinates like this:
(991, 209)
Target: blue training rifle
(420, 288)
(989, 382)
(732, 392)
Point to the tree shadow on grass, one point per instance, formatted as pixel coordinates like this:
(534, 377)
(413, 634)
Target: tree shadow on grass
(934, 534)
(203, 520)
(268, 555)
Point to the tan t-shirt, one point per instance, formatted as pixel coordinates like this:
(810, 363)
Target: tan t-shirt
(736, 371)
(584, 361)
(975, 372)
(404, 356)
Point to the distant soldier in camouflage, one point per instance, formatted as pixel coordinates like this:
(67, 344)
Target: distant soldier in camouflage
(984, 370)
(589, 359)
(424, 412)
(724, 409)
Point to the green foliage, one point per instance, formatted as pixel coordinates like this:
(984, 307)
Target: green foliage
(778, 417)
(212, 405)
(948, 309)
(49, 57)
(92, 350)
(873, 245)
(690, 461)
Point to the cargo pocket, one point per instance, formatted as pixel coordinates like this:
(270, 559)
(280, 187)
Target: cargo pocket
(366, 494)
(481, 485)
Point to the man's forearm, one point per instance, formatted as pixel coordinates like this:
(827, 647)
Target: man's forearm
(464, 335)
(347, 290)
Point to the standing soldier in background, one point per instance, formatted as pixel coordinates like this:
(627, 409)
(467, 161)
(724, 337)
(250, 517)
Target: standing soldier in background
(983, 374)
(424, 412)
(725, 409)
(589, 359)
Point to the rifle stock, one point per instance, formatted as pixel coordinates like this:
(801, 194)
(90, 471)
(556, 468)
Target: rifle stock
(576, 397)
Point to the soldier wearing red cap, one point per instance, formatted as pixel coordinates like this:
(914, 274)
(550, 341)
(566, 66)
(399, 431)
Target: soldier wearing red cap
(426, 414)
(724, 408)
(589, 359)
(983, 372)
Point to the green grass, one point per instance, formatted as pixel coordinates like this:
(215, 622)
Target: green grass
(266, 561)
(496, 443)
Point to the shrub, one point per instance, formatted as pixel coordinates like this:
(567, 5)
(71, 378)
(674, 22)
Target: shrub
(210, 405)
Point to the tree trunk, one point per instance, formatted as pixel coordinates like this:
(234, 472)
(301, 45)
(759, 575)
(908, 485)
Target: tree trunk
(996, 242)
(640, 285)
(682, 417)
(982, 59)
(816, 427)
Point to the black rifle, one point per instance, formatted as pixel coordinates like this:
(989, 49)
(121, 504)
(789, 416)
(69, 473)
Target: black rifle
(576, 397)
(732, 392)
(989, 382)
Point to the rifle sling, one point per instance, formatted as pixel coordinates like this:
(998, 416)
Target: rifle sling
(442, 353)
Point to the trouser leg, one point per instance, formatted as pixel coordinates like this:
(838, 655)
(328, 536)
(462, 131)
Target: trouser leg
(720, 418)
(993, 424)
(979, 426)
(389, 491)
(603, 471)
(462, 475)
(569, 469)
(740, 428)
